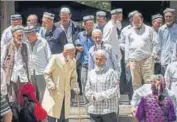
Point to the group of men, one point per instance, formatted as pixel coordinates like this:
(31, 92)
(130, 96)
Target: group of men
(58, 57)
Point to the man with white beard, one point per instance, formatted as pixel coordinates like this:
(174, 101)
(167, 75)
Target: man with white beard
(111, 62)
(102, 90)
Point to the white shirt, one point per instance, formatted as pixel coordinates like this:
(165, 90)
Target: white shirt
(142, 43)
(18, 68)
(39, 55)
(110, 36)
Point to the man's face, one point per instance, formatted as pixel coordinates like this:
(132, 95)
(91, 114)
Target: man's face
(71, 53)
(101, 20)
(119, 17)
(169, 18)
(65, 18)
(31, 20)
(97, 37)
(16, 22)
(46, 23)
(137, 21)
(18, 36)
(31, 37)
(89, 25)
(114, 17)
(157, 23)
(100, 60)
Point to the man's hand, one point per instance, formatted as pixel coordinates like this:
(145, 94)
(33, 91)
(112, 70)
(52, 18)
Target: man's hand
(80, 48)
(155, 57)
(76, 91)
(133, 111)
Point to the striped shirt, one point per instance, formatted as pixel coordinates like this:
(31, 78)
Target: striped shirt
(167, 38)
(102, 83)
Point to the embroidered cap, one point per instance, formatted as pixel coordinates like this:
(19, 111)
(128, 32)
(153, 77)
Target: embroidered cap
(156, 16)
(130, 15)
(65, 10)
(89, 17)
(69, 46)
(29, 29)
(116, 11)
(169, 10)
(48, 15)
(18, 27)
(16, 17)
(101, 14)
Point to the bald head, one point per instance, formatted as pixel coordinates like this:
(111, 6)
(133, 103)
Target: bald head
(32, 20)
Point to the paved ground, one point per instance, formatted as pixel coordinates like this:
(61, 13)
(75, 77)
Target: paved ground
(124, 111)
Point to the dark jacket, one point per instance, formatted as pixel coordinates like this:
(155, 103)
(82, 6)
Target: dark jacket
(56, 39)
(76, 28)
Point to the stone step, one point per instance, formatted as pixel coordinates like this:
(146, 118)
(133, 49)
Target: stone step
(124, 110)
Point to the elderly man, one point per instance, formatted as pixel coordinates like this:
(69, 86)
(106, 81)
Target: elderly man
(101, 20)
(32, 20)
(167, 37)
(124, 45)
(69, 27)
(110, 34)
(102, 90)
(55, 36)
(39, 55)
(143, 48)
(111, 62)
(157, 21)
(16, 19)
(15, 62)
(60, 75)
(83, 43)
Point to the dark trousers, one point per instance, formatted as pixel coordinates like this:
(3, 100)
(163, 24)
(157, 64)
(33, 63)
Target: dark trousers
(62, 116)
(111, 117)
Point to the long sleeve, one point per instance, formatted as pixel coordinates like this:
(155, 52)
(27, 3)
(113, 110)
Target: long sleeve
(107, 34)
(48, 71)
(168, 76)
(135, 99)
(88, 89)
(90, 61)
(155, 43)
(171, 114)
(74, 83)
(116, 64)
(111, 92)
(62, 38)
(48, 51)
(122, 40)
(140, 113)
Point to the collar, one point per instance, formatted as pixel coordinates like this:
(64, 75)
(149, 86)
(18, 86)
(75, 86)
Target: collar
(101, 70)
(173, 26)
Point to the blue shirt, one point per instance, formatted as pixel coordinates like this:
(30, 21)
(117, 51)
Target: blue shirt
(86, 42)
(168, 39)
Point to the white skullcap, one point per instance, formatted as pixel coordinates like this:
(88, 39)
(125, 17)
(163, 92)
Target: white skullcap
(65, 10)
(96, 30)
(102, 52)
(69, 46)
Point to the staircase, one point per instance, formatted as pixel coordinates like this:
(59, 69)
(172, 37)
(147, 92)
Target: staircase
(124, 111)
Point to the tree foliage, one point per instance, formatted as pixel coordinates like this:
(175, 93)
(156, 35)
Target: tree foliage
(103, 5)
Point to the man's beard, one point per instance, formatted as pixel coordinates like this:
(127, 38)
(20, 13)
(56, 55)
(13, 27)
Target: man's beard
(98, 46)
(18, 42)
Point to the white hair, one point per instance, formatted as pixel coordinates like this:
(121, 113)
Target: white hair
(102, 52)
(69, 46)
(96, 30)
